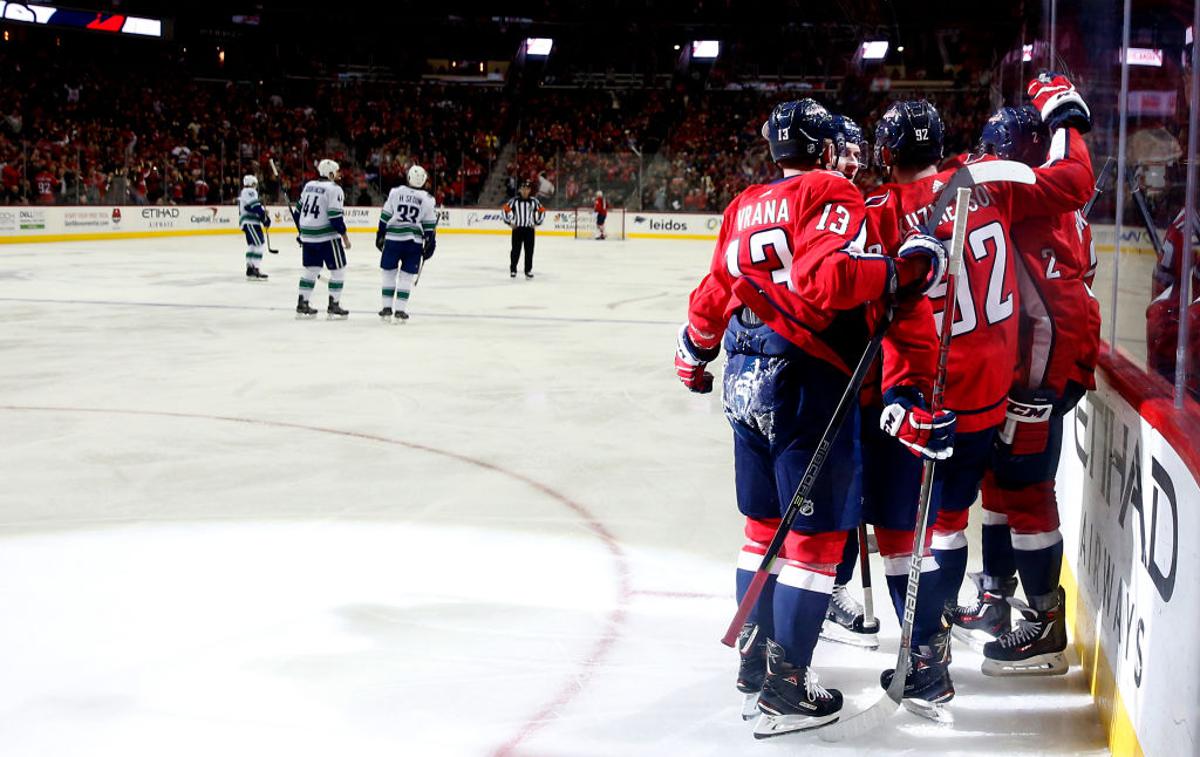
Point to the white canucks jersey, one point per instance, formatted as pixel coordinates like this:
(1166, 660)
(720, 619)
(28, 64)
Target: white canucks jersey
(250, 209)
(320, 209)
(408, 214)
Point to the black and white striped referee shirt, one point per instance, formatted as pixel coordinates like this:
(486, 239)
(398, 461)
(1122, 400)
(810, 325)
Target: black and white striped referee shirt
(521, 212)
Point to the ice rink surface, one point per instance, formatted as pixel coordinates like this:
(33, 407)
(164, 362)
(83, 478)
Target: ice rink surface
(503, 528)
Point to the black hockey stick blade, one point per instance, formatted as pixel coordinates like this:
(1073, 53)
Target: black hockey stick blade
(1101, 183)
(969, 176)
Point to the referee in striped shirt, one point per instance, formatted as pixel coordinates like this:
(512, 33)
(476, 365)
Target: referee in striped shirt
(523, 213)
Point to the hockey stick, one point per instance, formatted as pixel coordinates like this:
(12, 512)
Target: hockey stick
(864, 562)
(1139, 199)
(1098, 190)
(420, 267)
(879, 713)
(267, 236)
(848, 400)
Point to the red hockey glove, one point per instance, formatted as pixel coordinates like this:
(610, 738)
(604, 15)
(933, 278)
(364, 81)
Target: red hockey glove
(919, 266)
(690, 361)
(1027, 425)
(1059, 103)
(905, 417)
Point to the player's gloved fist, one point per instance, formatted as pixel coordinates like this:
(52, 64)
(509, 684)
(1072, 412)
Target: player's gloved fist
(925, 434)
(919, 266)
(1027, 423)
(430, 246)
(346, 241)
(379, 240)
(266, 222)
(690, 361)
(1060, 104)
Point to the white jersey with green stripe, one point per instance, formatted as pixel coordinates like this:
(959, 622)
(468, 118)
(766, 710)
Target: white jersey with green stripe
(249, 208)
(319, 203)
(409, 214)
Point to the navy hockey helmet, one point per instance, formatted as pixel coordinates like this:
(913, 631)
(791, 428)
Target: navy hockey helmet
(797, 130)
(909, 135)
(1016, 134)
(852, 134)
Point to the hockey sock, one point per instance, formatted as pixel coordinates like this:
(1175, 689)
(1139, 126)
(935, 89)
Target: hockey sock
(404, 285)
(801, 600)
(949, 546)
(758, 536)
(802, 591)
(845, 569)
(336, 280)
(388, 278)
(1039, 561)
(896, 549)
(308, 281)
(998, 560)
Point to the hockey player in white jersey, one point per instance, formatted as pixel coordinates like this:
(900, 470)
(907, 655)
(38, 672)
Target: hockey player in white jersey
(323, 237)
(406, 237)
(254, 220)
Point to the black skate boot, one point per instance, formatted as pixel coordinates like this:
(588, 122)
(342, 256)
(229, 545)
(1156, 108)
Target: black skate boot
(529, 274)
(989, 615)
(927, 686)
(335, 311)
(386, 315)
(401, 316)
(253, 274)
(752, 668)
(845, 621)
(303, 309)
(792, 700)
(1035, 647)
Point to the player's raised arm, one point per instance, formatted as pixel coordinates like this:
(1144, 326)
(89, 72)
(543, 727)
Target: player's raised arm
(1064, 183)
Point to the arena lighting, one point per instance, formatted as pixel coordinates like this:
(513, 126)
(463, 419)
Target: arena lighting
(875, 50)
(1144, 56)
(538, 47)
(1027, 53)
(115, 23)
(706, 49)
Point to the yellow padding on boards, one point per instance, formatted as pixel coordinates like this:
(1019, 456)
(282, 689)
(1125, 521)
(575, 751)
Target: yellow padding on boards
(1114, 717)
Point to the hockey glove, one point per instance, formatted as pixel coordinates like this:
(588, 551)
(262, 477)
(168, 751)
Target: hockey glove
(919, 266)
(905, 417)
(379, 240)
(266, 221)
(691, 360)
(430, 246)
(1027, 423)
(1060, 104)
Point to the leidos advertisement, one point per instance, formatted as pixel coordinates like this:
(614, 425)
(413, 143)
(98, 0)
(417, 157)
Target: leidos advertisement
(1130, 518)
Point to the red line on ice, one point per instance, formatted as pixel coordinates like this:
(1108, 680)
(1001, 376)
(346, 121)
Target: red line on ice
(615, 620)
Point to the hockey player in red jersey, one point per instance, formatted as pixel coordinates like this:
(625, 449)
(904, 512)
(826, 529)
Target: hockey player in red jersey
(1162, 315)
(1058, 347)
(908, 144)
(792, 296)
(600, 207)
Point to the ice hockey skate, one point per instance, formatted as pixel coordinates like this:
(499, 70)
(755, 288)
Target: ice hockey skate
(752, 668)
(304, 310)
(336, 312)
(927, 686)
(845, 622)
(386, 315)
(792, 700)
(253, 274)
(401, 316)
(988, 616)
(1036, 646)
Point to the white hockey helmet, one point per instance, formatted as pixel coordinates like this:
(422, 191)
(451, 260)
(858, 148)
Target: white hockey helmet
(417, 177)
(599, 193)
(249, 180)
(328, 168)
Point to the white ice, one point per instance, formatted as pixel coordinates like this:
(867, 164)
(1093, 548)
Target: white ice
(503, 528)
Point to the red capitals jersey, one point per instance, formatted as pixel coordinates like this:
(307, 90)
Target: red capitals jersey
(983, 352)
(792, 252)
(1162, 336)
(1059, 339)
(44, 183)
(600, 205)
(1170, 264)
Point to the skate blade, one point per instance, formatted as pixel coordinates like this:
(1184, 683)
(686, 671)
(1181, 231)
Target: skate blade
(929, 710)
(1053, 664)
(839, 634)
(972, 637)
(769, 726)
(750, 706)
(305, 316)
(332, 317)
